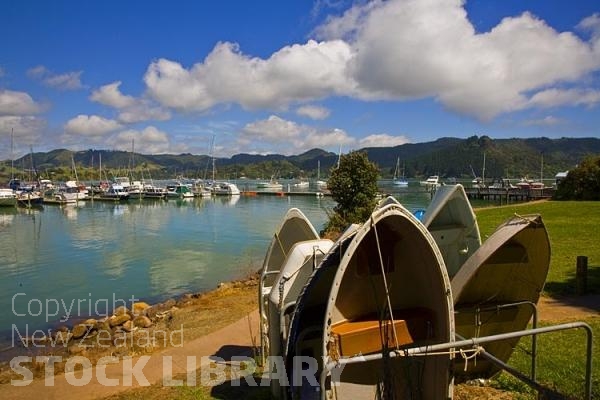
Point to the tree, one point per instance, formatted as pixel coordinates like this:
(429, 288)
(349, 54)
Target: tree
(581, 183)
(353, 186)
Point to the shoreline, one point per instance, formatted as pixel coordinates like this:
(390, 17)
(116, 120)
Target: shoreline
(146, 329)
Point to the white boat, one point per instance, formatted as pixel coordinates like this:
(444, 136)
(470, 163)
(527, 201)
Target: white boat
(294, 228)
(399, 180)
(320, 183)
(431, 182)
(300, 262)
(272, 184)
(54, 196)
(510, 267)
(76, 190)
(384, 289)
(225, 189)
(301, 184)
(452, 223)
(114, 193)
(29, 199)
(150, 191)
(180, 191)
(8, 197)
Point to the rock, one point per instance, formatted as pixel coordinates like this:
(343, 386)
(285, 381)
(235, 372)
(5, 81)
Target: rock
(141, 321)
(121, 310)
(139, 308)
(117, 320)
(90, 322)
(61, 337)
(76, 349)
(159, 309)
(127, 326)
(80, 330)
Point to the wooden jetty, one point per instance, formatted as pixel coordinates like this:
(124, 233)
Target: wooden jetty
(510, 194)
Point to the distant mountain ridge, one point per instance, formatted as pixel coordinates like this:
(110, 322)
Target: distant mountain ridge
(447, 157)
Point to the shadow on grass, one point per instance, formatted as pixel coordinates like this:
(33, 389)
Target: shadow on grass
(227, 351)
(241, 389)
(566, 291)
(569, 286)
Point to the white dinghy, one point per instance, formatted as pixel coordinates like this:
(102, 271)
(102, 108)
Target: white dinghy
(294, 228)
(452, 223)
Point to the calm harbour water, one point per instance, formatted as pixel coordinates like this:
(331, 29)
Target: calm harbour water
(88, 258)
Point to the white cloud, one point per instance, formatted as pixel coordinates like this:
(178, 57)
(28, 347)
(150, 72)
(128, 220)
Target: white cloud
(66, 81)
(90, 126)
(111, 96)
(26, 131)
(17, 103)
(396, 50)
(276, 135)
(548, 121)
(382, 140)
(131, 109)
(560, 97)
(428, 48)
(149, 140)
(294, 73)
(313, 112)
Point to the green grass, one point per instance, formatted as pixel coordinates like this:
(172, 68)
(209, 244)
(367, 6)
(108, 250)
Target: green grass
(573, 228)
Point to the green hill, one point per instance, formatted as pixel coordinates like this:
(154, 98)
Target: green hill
(447, 157)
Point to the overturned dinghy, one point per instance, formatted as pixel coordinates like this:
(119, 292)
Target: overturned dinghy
(302, 260)
(388, 291)
(495, 290)
(452, 223)
(294, 228)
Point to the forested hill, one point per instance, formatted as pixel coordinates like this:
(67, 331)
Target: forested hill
(447, 157)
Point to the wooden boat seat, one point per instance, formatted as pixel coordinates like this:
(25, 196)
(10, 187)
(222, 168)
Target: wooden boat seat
(365, 335)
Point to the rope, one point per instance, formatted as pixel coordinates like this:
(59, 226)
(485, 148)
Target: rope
(387, 292)
(476, 351)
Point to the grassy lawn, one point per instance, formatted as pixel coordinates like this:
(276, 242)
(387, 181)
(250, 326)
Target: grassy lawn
(573, 228)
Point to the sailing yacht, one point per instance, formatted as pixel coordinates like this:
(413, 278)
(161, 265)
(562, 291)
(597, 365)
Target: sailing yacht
(399, 180)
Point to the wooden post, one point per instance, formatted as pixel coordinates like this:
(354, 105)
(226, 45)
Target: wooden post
(581, 275)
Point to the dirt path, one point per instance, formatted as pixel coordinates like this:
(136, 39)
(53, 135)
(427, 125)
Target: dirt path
(567, 308)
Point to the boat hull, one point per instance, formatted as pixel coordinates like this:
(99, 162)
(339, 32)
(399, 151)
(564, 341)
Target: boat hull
(510, 267)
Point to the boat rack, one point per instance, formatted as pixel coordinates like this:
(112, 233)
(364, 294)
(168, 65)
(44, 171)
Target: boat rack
(475, 343)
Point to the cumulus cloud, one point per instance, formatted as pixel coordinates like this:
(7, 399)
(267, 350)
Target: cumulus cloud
(382, 140)
(416, 49)
(90, 126)
(17, 103)
(131, 109)
(294, 73)
(27, 130)
(66, 81)
(313, 112)
(394, 50)
(149, 140)
(277, 135)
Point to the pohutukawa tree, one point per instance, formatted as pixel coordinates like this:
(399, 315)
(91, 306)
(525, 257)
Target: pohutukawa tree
(353, 185)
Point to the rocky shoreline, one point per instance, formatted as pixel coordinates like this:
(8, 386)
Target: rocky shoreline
(140, 329)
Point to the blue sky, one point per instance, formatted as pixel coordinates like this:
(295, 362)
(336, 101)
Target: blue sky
(285, 77)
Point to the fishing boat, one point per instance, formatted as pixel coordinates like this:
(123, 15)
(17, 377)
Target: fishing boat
(302, 259)
(383, 289)
(294, 228)
(399, 179)
(452, 223)
(496, 288)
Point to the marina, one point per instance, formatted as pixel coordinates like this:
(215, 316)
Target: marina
(151, 249)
